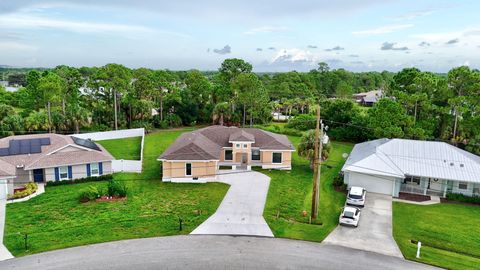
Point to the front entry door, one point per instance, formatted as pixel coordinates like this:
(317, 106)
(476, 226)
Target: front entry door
(38, 176)
(244, 158)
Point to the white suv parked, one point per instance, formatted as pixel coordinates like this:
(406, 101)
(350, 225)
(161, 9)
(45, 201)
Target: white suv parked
(356, 196)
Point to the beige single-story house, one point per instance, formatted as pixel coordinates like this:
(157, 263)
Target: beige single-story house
(391, 166)
(198, 155)
(49, 157)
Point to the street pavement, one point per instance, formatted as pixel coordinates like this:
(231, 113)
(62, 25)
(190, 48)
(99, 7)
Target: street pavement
(210, 252)
(241, 211)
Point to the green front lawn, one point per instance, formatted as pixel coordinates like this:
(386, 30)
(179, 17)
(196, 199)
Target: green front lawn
(127, 148)
(290, 194)
(57, 220)
(450, 233)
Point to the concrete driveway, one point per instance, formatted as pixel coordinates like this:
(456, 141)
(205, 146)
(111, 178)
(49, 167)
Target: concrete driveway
(374, 232)
(241, 211)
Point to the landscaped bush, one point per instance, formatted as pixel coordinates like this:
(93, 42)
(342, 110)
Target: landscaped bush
(116, 188)
(89, 194)
(338, 183)
(30, 188)
(462, 198)
(105, 177)
(302, 122)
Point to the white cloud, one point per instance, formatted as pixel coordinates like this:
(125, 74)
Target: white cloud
(383, 30)
(32, 22)
(265, 29)
(293, 55)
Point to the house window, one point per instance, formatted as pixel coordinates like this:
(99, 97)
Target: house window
(277, 158)
(63, 172)
(245, 146)
(412, 180)
(237, 146)
(188, 169)
(255, 154)
(228, 154)
(94, 171)
(462, 185)
(476, 190)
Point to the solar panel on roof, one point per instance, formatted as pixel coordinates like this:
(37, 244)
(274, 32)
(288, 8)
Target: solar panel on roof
(35, 149)
(4, 152)
(25, 146)
(14, 148)
(45, 141)
(86, 143)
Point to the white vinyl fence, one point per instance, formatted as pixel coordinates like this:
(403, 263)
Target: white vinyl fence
(119, 165)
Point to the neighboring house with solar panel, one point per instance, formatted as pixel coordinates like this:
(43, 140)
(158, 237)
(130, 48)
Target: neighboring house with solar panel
(49, 157)
(197, 156)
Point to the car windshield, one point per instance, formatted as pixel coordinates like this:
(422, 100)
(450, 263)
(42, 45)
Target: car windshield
(353, 196)
(348, 214)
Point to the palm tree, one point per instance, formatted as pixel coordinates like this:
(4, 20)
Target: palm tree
(220, 111)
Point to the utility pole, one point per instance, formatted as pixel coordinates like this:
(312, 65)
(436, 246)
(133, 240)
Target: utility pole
(316, 166)
(115, 105)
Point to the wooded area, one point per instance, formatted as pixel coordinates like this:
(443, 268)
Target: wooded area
(419, 105)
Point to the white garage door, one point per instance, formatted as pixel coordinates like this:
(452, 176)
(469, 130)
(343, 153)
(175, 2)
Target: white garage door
(371, 183)
(3, 189)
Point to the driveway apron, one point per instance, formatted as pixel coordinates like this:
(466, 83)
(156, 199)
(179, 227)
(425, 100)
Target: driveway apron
(374, 232)
(241, 211)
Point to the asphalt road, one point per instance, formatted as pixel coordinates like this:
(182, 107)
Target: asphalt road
(210, 252)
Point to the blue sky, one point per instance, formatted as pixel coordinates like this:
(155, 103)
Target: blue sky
(277, 35)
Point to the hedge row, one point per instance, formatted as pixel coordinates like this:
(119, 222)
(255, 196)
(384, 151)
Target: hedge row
(462, 198)
(105, 177)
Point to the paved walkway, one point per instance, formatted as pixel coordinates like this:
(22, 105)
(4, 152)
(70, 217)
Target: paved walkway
(210, 252)
(433, 200)
(374, 232)
(4, 253)
(241, 211)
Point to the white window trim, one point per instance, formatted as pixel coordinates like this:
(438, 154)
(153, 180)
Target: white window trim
(60, 173)
(281, 157)
(191, 169)
(91, 169)
(245, 146)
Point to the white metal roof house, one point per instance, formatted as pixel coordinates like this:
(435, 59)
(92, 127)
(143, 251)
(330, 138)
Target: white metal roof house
(390, 166)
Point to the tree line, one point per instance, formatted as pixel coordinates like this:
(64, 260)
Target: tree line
(420, 105)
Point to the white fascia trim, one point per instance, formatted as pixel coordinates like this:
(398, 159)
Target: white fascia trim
(189, 161)
(241, 141)
(288, 150)
(65, 146)
(70, 164)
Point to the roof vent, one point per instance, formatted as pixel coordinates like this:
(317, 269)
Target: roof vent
(462, 165)
(451, 164)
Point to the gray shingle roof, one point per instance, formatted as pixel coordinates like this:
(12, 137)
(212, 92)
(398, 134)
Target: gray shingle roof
(207, 143)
